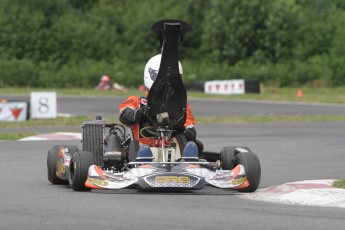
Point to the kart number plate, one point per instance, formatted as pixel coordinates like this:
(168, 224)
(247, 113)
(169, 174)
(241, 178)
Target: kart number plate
(172, 179)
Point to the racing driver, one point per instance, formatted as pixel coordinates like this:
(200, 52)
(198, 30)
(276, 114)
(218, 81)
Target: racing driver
(133, 113)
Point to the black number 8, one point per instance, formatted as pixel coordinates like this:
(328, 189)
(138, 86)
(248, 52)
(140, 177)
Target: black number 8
(43, 108)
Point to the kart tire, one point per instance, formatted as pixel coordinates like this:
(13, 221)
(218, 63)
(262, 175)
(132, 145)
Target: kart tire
(133, 149)
(227, 156)
(200, 146)
(52, 158)
(80, 163)
(251, 163)
(181, 141)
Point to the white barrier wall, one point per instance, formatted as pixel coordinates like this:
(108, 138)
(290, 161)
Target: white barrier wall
(225, 87)
(13, 111)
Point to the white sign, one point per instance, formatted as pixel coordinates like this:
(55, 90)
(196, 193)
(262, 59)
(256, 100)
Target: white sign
(225, 87)
(43, 105)
(13, 111)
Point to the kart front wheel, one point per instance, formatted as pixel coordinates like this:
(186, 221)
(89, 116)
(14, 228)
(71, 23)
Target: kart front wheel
(227, 156)
(52, 160)
(80, 163)
(251, 164)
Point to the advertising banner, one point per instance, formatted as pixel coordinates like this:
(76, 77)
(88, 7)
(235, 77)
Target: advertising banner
(225, 87)
(13, 111)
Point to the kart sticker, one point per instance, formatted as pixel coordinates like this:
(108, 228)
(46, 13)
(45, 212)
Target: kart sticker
(16, 112)
(168, 179)
(164, 181)
(97, 182)
(239, 181)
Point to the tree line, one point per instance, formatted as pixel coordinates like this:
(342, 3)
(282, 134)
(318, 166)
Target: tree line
(72, 43)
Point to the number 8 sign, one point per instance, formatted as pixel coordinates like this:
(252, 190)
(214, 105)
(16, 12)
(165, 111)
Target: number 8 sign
(43, 105)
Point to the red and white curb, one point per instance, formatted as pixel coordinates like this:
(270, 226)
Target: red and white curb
(308, 192)
(53, 136)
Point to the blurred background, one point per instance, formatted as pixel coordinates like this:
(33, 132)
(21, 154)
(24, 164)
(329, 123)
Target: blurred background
(71, 43)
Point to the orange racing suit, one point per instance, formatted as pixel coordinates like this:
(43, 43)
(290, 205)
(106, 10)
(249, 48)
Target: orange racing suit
(132, 103)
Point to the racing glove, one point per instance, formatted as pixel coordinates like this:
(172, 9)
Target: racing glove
(139, 115)
(190, 134)
(131, 116)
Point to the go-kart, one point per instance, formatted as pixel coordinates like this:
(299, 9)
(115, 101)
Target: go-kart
(107, 159)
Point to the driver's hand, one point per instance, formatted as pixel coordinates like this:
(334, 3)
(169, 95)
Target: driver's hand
(190, 134)
(139, 115)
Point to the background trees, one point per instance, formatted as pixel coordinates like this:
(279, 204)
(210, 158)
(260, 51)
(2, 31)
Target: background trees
(71, 43)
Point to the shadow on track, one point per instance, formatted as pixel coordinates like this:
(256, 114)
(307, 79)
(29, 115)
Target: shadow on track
(207, 190)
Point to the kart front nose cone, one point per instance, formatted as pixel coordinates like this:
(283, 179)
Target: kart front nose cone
(173, 181)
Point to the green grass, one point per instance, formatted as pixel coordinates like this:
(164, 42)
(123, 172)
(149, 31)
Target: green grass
(69, 91)
(310, 94)
(270, 118)
(78, 120)
(14, 136)
(339, 183)
(321, 95)
(59, 121)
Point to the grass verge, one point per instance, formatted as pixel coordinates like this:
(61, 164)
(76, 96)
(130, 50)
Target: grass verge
(59, 121)
(14, 136)
(339, 183)
(310, 94)
(270, 118)
(78, 120)
(334, 95)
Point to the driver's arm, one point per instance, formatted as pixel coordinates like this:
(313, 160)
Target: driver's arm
(190, 132)
(130, 111)
(190, 121)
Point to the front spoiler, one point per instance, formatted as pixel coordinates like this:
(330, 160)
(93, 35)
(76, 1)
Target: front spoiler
(181, 176)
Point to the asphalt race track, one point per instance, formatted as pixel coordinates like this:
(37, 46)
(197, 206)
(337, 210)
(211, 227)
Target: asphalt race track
(288, 152)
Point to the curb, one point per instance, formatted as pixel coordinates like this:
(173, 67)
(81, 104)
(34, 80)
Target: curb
(53, 136)
(308, 192)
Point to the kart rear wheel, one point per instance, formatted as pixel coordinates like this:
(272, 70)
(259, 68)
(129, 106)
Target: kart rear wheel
(52, 158)
(251, 164)
(80, 163)
(133, 149)
(227, 156)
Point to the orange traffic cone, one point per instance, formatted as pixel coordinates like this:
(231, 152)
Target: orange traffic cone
(299, 93)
